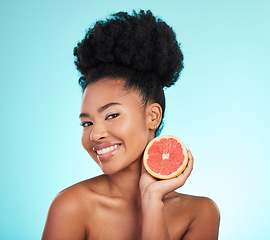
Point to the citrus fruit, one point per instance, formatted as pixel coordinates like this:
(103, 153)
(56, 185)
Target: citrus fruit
(165, 157)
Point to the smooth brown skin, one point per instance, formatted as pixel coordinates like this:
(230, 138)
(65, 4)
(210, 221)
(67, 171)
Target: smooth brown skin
(126, 202)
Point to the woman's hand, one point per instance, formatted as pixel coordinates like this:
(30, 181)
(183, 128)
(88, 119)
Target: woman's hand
(154, 224)
(162, 187)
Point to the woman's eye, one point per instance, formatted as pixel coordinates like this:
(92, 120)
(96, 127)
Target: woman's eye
(86, 124)
(111, 116)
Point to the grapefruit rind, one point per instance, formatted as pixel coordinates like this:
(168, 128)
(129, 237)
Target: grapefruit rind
(158, 175)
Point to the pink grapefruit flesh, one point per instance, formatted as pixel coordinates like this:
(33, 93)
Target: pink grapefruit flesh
(165, 157)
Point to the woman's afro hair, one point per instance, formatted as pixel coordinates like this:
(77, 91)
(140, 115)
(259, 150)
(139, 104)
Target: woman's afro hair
(138, 42)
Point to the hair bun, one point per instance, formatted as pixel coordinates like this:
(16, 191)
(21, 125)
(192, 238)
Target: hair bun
(139, 41)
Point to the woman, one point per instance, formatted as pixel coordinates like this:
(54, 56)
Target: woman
(125, 63)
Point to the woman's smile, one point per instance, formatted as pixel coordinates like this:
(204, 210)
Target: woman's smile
(105, 151)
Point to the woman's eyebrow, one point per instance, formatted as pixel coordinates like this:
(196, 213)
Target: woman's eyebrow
(101, 109)
(83, 115)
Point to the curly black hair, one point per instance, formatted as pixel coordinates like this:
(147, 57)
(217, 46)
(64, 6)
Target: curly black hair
(137, 47)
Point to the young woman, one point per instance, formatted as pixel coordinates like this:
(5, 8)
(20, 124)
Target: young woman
(125, 63)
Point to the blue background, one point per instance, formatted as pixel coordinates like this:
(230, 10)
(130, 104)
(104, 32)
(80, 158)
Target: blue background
(219, 107)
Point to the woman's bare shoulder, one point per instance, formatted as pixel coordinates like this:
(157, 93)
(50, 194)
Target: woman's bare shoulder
(85, 191)
(195, 204)
(186, 198)
(74, 202)
(201, 213)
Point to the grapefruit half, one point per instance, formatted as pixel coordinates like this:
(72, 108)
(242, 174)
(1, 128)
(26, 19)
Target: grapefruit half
(165, 157)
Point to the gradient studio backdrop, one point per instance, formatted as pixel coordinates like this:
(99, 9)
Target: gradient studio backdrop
(219, 107)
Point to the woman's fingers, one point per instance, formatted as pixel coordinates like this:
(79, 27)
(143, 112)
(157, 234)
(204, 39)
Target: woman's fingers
(185, 174)
(163, 187)
(170, 185)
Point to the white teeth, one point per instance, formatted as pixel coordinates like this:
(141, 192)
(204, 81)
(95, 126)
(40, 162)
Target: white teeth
(106, 150)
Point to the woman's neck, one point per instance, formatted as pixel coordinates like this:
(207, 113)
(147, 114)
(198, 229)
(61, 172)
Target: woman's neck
(125, 184)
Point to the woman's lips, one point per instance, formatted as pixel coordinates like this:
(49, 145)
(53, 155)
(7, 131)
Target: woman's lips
(105, 152)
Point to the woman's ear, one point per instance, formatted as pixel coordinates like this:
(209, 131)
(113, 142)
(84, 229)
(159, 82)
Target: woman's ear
(154, 116)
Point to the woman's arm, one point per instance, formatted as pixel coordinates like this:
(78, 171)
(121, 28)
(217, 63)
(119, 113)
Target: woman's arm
(154, 224)
(64, 220)
(152, 192)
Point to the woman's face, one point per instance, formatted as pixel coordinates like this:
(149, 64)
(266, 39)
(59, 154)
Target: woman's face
(115, 126)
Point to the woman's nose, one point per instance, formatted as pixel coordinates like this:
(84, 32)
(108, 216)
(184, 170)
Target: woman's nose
(98, 132)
